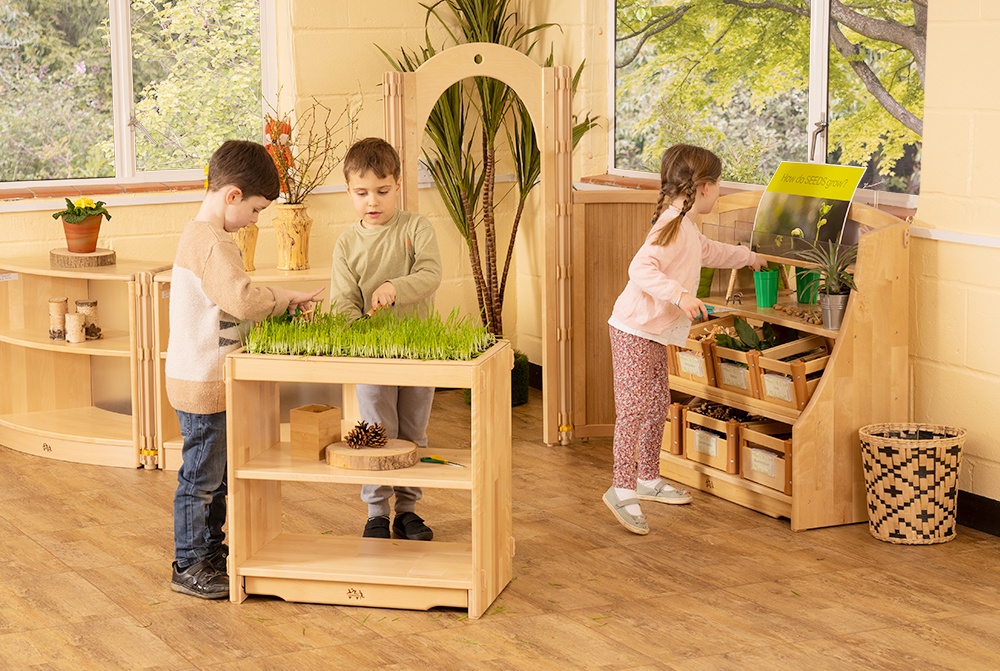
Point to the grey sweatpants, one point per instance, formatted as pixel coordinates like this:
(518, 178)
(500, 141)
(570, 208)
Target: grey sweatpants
(404, 412)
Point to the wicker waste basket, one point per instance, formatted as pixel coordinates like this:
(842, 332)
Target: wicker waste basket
(911, 476)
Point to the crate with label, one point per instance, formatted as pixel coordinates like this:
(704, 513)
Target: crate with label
(788, 374)
(766, 455)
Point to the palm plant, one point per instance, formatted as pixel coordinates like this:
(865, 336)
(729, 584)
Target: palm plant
(465, 175)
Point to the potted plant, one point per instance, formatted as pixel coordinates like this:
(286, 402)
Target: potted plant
(82, 223)
(305, 149)
(835, 280)
(467, 129)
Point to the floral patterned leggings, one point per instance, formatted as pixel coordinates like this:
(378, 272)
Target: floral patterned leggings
(642, 405)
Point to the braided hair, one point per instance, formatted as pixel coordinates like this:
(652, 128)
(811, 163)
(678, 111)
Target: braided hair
(683, 169)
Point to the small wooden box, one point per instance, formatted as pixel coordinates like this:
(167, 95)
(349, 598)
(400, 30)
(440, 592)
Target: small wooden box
(789, 381)
(766, 455)
(736, 371)
(694, 361)
(313, 427)
(711, 441)
(672, 432)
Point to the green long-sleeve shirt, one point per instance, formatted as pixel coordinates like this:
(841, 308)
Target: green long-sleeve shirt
(404, 251)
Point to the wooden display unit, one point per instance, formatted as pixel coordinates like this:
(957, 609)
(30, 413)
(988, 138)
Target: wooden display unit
(368, 571)
(865, 380)
(82, 402)
(166, 448)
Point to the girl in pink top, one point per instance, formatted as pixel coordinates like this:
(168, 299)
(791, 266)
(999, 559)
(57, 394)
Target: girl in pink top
(654, 310)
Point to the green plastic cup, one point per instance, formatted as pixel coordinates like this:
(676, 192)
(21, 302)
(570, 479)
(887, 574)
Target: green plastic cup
(765, 283)
(807, 285)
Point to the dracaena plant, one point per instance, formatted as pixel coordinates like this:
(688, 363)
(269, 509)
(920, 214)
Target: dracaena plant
(467, 129)
(81, 208)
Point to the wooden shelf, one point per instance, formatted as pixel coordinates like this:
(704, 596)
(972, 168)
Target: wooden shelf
(356, 571)
(725, 485)
(731, 398)
(86, 435)
(113, 343)
(749, 309)
(277, 463)
(77, 379)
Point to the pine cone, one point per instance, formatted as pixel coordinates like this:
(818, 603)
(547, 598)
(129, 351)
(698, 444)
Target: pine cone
(366, 435)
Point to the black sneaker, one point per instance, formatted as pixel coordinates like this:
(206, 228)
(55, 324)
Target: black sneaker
(377, 527)
(218, 558)
(411, 527)
(201, 580)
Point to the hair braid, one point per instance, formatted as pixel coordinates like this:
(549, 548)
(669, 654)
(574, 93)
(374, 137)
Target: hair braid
(664, 188)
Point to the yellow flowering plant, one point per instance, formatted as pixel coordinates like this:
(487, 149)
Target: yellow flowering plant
(81, 208)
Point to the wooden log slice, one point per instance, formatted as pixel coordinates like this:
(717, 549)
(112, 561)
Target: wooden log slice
(63, 258)
(396, 454)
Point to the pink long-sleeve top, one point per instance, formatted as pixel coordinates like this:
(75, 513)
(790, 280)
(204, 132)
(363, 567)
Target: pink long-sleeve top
(658, 275)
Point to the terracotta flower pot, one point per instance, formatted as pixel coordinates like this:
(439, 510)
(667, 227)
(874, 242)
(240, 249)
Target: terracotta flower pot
(81, 238)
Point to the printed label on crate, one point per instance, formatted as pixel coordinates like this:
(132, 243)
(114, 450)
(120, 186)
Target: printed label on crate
(8, 277)
(706, 443)
(762, 461)
(778, 386)
(733, 375)
(690, 363)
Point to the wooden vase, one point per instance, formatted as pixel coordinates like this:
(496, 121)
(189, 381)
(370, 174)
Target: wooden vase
(246, 240)
(292, 224)
(81, 238)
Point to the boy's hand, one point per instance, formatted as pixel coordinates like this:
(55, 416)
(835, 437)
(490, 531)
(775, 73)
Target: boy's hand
(301, 300)
(692, 306)
(384, 295)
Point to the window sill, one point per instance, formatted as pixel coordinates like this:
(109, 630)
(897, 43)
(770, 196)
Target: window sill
(653, 184)
(23, 198)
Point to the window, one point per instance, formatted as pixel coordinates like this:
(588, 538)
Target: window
(118, 89)
(761, 81)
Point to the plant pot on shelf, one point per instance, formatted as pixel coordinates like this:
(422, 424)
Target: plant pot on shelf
(246, 240)
(292, 225)
(765, 283)
(833, 307)
(81, 238)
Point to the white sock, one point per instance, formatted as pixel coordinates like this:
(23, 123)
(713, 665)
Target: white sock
(654, 483)
(625, 494)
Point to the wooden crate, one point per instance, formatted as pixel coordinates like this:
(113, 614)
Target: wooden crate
(736, 371)
(673, 435)
(711, 441)
(694, 361)
(791, 383)
(766, 455)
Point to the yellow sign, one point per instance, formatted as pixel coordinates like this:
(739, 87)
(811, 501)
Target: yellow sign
(816, 180)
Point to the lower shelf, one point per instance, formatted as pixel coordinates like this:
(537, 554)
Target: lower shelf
(85, 435)
(726, 486)
(375, 572)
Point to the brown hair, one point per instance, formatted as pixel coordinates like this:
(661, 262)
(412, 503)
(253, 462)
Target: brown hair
(683, 169)
(372, 154)
(245, 165)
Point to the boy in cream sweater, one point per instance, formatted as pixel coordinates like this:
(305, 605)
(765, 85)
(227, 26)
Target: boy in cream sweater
(212, 304)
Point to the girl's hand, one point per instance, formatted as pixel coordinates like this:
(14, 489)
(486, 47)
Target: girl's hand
(692, 306)
(758, 263)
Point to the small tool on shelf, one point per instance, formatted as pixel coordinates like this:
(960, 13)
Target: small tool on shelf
(435, 459)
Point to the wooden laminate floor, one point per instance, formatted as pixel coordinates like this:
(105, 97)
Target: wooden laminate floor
(85, 564)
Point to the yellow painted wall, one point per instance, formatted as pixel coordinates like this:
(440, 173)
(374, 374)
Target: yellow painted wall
(955, 288)
(330, 52)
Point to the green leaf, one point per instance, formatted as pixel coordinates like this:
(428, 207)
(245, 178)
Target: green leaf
(746, 333)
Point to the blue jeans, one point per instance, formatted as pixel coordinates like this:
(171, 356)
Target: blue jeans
(200, 500)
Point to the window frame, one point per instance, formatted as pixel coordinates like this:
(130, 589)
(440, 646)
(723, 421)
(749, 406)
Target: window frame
(123, 116)
(816, 129)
